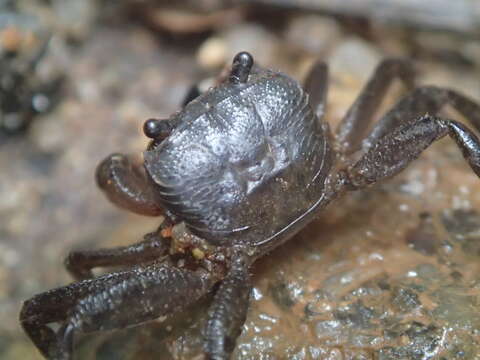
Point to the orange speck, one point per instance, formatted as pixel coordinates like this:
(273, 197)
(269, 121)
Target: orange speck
(167, 232)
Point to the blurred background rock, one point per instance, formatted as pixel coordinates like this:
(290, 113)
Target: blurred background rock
(387, 273)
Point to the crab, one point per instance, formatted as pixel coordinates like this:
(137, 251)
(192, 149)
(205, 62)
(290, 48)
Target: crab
(234, 174)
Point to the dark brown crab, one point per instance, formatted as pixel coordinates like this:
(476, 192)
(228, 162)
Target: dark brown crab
(237, 172)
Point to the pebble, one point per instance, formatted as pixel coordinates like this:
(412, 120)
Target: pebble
(354, 57)
(219, 50)
(313, 34)
(212, 54)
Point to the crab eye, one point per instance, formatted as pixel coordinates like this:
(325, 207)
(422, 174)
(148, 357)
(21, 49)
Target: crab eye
(241, 66)
(157, 129)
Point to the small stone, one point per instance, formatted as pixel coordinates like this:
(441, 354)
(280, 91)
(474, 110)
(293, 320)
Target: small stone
(356, 314)
(312, 33)
(198, 254)
(212, 53)
(253, 38)
(423, 238)
(405, 299)
(354, 57)
(220, 49)
(328, 329)
(286, 294)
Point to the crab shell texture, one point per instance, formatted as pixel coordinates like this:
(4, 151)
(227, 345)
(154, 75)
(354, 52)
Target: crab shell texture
(245, 161)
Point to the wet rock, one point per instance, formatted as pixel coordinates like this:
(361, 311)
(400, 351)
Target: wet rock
(318, 307)
(428, 273)
(405, 299)
(464, 228)
(462, 223)
(329, 329)
(423, 238)
(423, 342)
(457, 307)
(356, 315)
(461, 345)
(286, 293)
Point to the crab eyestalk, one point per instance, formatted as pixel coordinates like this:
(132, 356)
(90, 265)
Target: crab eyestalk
(241, 66)
(157, 129)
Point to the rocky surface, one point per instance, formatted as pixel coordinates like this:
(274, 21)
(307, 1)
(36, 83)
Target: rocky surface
(386, 273)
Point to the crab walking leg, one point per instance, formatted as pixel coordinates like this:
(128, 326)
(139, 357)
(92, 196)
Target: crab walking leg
(111, 301)
(228, 312)
(80, 263)
(126, 184)
(316, 86)
(49, 307)
(397, 150)
(353, 127)
(423, 100)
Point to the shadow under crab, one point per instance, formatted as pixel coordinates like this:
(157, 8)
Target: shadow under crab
(240, 169)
